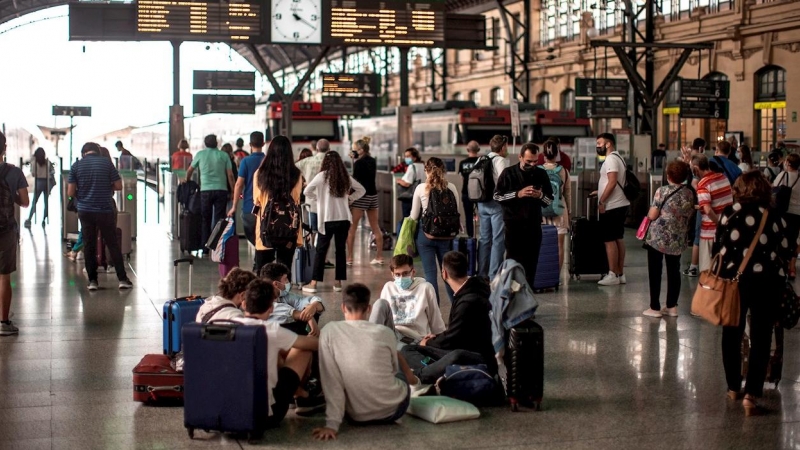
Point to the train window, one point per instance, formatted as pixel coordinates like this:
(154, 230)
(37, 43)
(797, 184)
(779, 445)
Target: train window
(419, 141)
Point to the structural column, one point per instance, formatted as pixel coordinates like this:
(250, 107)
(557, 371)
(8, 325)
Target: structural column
(176, 110)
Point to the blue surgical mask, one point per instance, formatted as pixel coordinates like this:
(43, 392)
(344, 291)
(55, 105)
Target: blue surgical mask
(287, 287)
(403, 282)
(409, 161)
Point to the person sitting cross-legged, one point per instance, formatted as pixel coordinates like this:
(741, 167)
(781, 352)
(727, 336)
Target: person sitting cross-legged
(293, 311)
(227, 303)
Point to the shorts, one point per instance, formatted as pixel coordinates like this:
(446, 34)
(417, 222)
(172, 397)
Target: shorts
(312, 217)
(366, 203)
(283, 394)
(612, 223)
(561, 222)
(698, 224)
(9, 242)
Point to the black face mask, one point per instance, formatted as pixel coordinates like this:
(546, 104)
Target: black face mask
(601, 151)
(354, 154)
(527, 167)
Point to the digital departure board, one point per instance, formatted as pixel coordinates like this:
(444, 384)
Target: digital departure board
(351, 83)
(389, 22)
(196, 20)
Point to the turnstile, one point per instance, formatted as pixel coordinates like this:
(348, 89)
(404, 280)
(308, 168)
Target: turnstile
(128, 198)
(69, 219)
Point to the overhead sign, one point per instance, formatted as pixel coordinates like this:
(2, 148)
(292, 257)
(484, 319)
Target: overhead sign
(514, 107)
(601, 87)
(351, 83)
(671, 110)
(769, 105)
(234, 81)
(226, 104)
(72, 111)
(386, 23)
(349, 106)
(705, 88)
(704, 109)
(601, 109)
(199, 20)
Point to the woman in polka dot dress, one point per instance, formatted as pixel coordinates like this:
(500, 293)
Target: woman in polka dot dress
(760, 285)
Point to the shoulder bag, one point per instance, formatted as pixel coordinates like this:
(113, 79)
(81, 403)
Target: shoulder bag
(407, 193)
(641, 233)
(717, 299)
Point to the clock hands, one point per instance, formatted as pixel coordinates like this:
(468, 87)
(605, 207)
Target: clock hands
(300, 19)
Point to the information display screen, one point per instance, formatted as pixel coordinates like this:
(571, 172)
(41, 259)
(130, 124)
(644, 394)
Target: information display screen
(195, 20)
(389, 22)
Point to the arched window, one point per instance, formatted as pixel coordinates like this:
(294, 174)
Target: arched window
(475, 96)
(498, 96)
(770, 103)
(458, 96)
(568, 100)
(714, 129)
(543, 99)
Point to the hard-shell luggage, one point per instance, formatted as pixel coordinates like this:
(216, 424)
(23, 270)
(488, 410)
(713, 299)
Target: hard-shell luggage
(469, 247)
(124, 225)
(225, 373)
(179, 311)
(191, 232)
(303, 264)
(156, 382)
(548, 271)
(587, 249)
(231, 257)
(524, 361)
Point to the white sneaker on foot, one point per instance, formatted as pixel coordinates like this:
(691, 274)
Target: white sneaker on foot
(652, 313)
(8, 329)
(671, 312)
(93, 286)
(622, 279)
(611, 279)
(310, 289)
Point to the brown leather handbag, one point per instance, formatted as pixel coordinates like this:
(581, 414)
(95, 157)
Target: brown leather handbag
(717, 299)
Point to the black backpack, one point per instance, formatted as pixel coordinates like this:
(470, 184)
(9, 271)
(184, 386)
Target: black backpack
(7, 222)
(480, 184)
(632, 187)
(441, 219)
(280, 222)
(189, 196)
(783, 193)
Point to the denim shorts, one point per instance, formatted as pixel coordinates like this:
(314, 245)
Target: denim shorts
(698, 224)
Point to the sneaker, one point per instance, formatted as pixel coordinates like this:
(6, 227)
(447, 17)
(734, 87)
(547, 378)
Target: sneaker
(8, 329)
(611, 279)
(27, 224)
(622, 279)
(337, 288)
(125, 284)
(308, 406)
(79, 256)
(670, 312)
(310, 289)
(329, 265)
(652, 313)
(111, 269)
(93, 286)
(377, 262)
(691, 272)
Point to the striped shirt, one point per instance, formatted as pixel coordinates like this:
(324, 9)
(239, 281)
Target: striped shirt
(714, 190)
(94, 175)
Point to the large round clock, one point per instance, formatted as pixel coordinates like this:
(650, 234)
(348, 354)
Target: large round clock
(296, 21)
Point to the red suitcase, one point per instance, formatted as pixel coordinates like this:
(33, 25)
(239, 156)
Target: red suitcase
(156, 382)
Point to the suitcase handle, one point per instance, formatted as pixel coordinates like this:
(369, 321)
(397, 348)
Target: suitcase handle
(175, 265)
(178, 262)
(218, 333)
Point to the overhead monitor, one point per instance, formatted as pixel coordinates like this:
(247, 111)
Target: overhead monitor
(400, 23)
(200, 20)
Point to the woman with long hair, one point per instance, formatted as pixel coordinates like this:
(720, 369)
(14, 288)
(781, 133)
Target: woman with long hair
(40, 169)
(365, 169)
(745, 158)
(554, 169)
(415, 172)
(276, 177)
(760, 283)
(432, 249)
(790, 177)
(334, 190)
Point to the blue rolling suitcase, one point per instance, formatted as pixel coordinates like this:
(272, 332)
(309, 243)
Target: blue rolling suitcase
(303, 264)
(548, 271)
(225, 378)
(179, 311)
(469, 247)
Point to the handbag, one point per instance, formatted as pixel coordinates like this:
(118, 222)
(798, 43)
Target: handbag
(717, 299)
(407, 193)
(790, 308)
(641, 233)
(406, 244)
(783, 193)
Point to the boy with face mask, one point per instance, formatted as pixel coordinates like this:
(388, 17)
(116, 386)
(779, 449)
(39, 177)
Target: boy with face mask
(407, 304)
(293, 311)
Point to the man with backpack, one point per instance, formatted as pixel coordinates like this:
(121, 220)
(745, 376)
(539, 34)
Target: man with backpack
(481, 186)
(13, 190)
(523, 190)
(464, 169)
(721, 163)
(613, 206)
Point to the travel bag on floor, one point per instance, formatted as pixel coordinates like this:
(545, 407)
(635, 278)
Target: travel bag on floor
(225, 378)
(303, 264)
(587, 249)
(179, 311)
(156, 382)
(524, 361)
(191, 233)
(469, 247)
(548, 270)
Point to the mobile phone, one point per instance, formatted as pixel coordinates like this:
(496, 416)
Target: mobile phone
(256, 209)
(426, 361)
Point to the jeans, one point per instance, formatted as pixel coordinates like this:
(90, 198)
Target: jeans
(429, 372)
(492, 242)
(431, 251)
(104, 223)
(41, 188)
(523, 242)
(655, 261)
(212, 207)
(406, 206)
(282, 255)
(337, 231)
(469, 214)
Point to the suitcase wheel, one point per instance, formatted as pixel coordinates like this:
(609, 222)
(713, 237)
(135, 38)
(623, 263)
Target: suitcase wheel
(191, 432)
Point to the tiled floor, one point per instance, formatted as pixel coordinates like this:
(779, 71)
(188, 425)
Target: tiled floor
(614, 379)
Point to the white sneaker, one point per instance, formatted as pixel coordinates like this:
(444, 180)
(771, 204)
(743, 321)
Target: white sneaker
(310, 289)
(79, 256)
(622, 279)
(652, 313)
(8, 329)
(611, 279)
(671, 312)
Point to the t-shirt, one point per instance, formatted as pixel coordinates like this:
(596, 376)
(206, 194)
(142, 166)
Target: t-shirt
(247, 171)
(181, 160)
(15, 180)
(790, 179)
(214, 166)
(364, 171)
(464, 168)
(415, 172)
(613, 163)
(94, 176)
(279, 339)
(714, 190)
(228, 313)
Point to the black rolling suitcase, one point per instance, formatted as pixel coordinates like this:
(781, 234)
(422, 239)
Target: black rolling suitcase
(191, 233)
(587, 251)
(225, 378)
(524, 361)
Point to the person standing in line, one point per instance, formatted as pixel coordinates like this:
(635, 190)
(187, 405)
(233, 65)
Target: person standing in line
(276, 177)
(562, 222)
(698, 148)
(239, 152)
(40, 169)
(334, 190)
(216, 174)
(244, 186)
(228, 150)
(365, 169)
(746, 158)
(522, 190)
(562, 158)
(492, 241)
(722, 163)
(464, 169)
(774, 163)
(789, 177)
(666, 239)
(310, 168)
(304, 153)
(182, 159)
(713, 196)
(415, 172)
(92, 181)
(613, 208)
(14, 192)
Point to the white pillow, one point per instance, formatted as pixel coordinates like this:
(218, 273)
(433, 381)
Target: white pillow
(440, 409)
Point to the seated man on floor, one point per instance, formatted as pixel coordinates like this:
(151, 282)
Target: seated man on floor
(362, 374)
(225, 305)
(468, 338)
(292, 310)
(408, 304)
(288, 355)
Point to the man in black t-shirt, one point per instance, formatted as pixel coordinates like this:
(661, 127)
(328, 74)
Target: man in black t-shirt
(464, 168)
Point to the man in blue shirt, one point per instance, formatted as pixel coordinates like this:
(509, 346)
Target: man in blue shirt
(244, 185)
(92, 181)
(721, 162)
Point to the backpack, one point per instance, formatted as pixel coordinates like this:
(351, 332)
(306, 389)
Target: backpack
(480, 184)
(772, 174)
(189, 196)
(632, 187)
(471, 384)
(783, 193)
(7, 221)
(441, 219)
(556, 208)
(280, 222)
(719, 164)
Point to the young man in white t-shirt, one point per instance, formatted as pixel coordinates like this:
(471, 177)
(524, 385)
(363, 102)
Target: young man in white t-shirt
(613, 208)
(288, 355)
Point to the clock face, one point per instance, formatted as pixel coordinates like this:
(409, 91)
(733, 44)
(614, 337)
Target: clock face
(296, 21)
